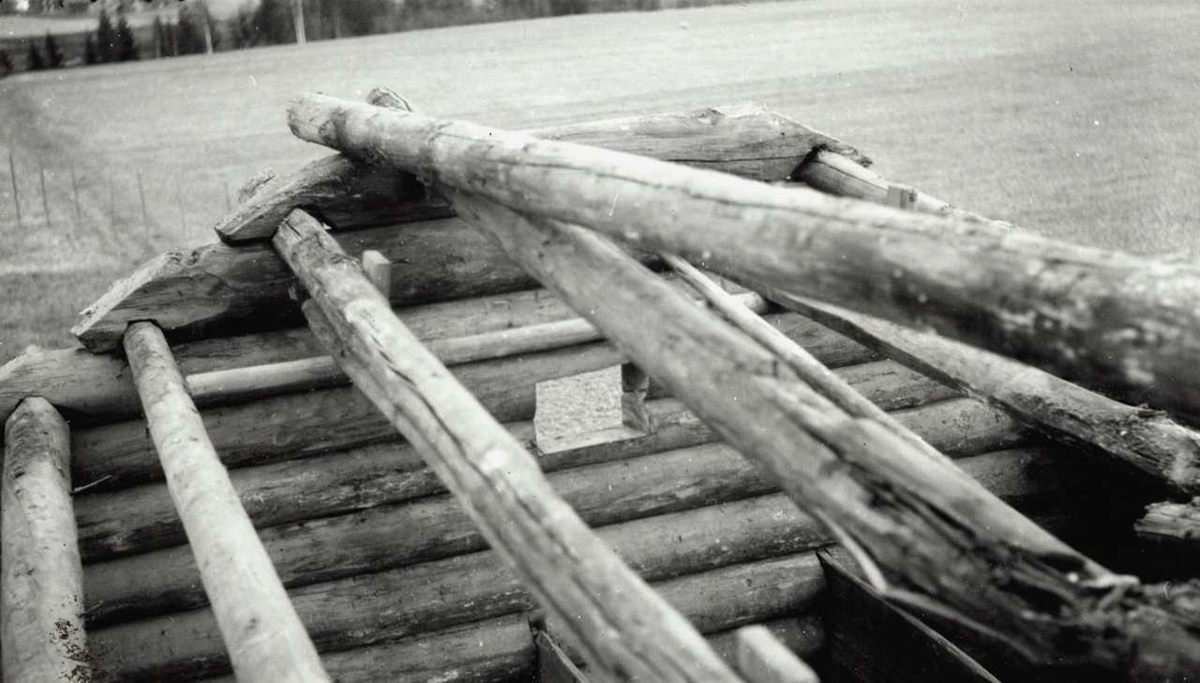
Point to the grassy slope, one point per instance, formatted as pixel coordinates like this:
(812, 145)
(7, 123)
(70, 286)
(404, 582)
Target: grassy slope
(1072, 118)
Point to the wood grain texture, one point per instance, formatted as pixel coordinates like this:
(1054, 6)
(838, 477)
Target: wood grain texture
(1100, 317)
(743, 139)
(627, 629)
(1178, 522)
(442, 593)
(262, 633)
(41, 579)
(1148, 440)
(964, 551)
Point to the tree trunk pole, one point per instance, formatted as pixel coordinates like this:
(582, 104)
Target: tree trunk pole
(628, 630)
(948, 548)
(262, 633)
(42, 593)
(1099, 317)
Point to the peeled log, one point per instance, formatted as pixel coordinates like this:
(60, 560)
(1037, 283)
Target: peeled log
(1171, 521)
(744, 139)
(41, 580)
(627, 629)
(1099, 317)
(943, 538)
(1145, 439)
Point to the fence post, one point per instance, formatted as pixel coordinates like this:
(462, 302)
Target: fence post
(182, 213)
(12, 170)
(142, 197)
(75, 195)
(45, 202)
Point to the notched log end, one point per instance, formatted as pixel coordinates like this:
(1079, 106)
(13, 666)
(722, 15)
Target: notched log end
(101, 325)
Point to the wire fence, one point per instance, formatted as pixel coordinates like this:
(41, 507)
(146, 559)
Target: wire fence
(153, 207)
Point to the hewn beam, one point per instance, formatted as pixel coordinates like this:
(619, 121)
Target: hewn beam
(1101, 317)
(946, 542)
(627, 629)
(1145, 439)
(41, 580)
(262, 633)
(744, 139)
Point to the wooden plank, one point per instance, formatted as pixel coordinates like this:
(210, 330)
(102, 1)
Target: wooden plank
(127, 521)
(490, 473)
(1147, 440)
(41, 580)
(745, 139)
(1101, 317)
(442, 593)
(834, 464)
(261, 630)
(497, 650)
(764, 659)
(871, 641)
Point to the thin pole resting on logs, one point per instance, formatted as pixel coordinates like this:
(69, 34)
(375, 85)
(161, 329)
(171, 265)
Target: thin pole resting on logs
(952, 550)
(628, 630)
(1100, 317)
(41, 580)
(262, 633)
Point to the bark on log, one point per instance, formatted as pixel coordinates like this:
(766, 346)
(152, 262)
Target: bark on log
(262, 633)
(140, 519)
(323, 548)
(491, 651)
(41, 601)
(1145, 439)
(746, 140)
(494, 478)
(933, 530)
(348, 612)
(1100, 317)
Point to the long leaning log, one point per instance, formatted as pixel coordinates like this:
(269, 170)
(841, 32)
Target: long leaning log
(1100, 317)
(262, 633)
(220, 288)
(41, 579)
(627, 628)
(954, 551)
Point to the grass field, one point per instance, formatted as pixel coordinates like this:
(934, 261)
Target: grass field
(1075, 119)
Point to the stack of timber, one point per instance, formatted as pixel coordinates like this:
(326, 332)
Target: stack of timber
(362, 352)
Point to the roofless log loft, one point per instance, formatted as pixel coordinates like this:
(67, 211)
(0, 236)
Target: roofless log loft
(316, 450)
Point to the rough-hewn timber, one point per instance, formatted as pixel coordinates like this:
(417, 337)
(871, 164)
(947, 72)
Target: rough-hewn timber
(627, 629)
(41, 580)
(949, 544)
(261, 630)
(1100, 317)
(143, 518)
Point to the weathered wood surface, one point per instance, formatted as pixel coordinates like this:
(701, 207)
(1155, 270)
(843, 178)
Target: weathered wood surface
(143, 518)
(744, 139)
(872, 641)
(628, 630)
(835, 173)
(322, 548)
(1171, 521)
(1145, 439)
(762, 658)
(1100, 317)
(261, 630)
(803, 634)
(891, 496)
(554, 665)
(218, 288)
(92, 389)
(41, 581)
(491, 651)
(442, 593)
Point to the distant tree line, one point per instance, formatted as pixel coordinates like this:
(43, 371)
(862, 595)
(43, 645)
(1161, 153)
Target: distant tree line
(274, 22)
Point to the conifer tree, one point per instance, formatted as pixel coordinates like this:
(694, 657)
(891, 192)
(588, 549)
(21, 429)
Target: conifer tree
(54, 56)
